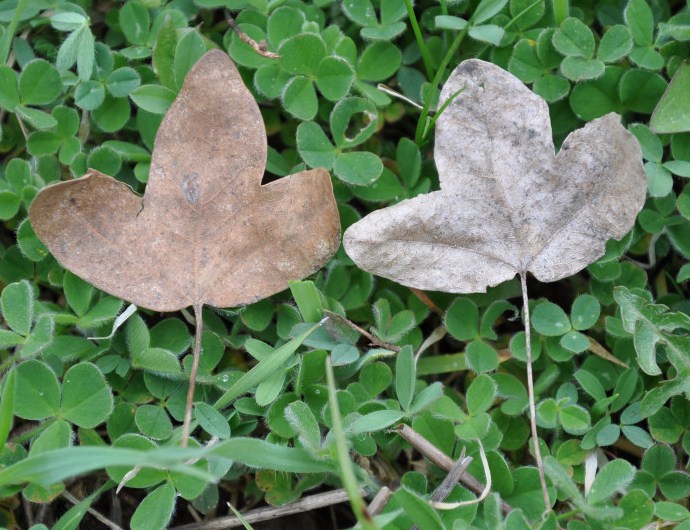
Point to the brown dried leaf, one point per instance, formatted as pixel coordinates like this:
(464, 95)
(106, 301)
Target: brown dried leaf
(507, 205)
(206, 230)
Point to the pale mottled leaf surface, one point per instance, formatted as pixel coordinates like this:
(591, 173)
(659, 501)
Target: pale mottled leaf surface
(206, 230)
(508, 203)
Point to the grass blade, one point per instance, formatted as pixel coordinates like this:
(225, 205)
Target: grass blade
(347, 474)
(263, 369)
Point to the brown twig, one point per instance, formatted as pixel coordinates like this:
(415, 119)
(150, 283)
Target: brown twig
(442, 460)
(625, 445)
(195, 515)
(379, 502)
(259, 47)
(372, 339)
(451, 479)
(453, 476)
(84, 127)
(199, 325)
(427, 301)
(312, 502)
(597, 349)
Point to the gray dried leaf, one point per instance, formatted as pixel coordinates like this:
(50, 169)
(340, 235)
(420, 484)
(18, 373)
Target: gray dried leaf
(507, 203)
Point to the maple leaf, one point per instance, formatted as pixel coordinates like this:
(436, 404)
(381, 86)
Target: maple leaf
(206, 231)
(508, 204)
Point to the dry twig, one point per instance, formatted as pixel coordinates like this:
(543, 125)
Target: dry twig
(379, 502)
(269, 513)
(260, 47)
(597, 349)
(442, 460)
(372, 339)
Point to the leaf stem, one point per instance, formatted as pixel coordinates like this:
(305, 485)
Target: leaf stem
(22, 126)
(530, 392)
(426, 56)
(199, 325)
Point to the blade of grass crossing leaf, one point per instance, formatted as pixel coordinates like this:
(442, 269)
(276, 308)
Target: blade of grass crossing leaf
(422, 123)
(70, 520)
(347, 474)
(262, 370)
(239, 516)
(436, 116)
(6, 407)
(485, 10)
(518, 17)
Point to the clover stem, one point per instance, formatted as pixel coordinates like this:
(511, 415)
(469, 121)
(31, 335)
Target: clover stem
(192, 374)
(530, 392)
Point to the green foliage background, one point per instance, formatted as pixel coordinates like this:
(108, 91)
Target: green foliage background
(86, 84)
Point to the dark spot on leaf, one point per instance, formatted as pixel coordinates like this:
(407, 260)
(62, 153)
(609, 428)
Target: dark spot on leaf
(469, 67)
